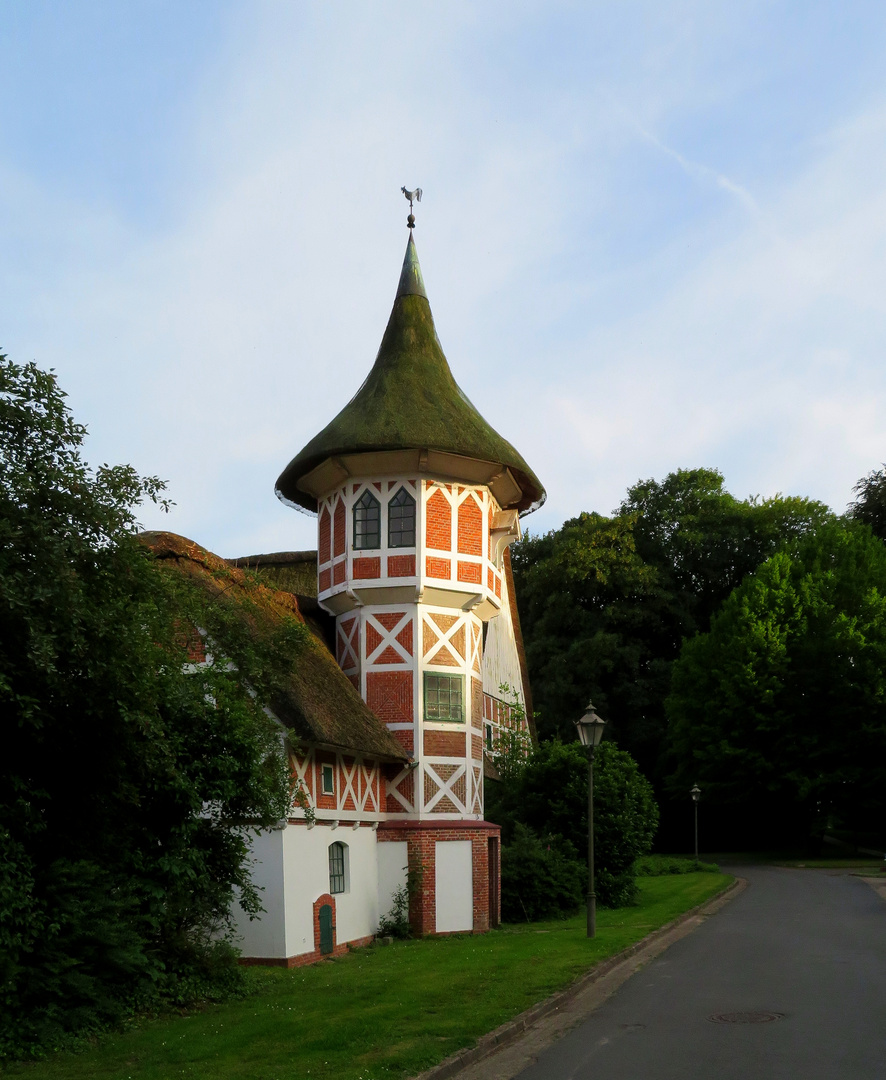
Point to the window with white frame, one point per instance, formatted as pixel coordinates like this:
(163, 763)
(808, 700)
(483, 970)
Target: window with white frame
(327, 780)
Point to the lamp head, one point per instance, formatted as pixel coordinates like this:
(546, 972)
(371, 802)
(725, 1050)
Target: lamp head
(590, 727)
(695, 792)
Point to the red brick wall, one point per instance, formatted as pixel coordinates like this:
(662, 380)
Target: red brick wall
(367, 568)
(437, 568)
(444, 743)
(389, 695)
(338, 542)
(421, 838)
(401, 566)
(470, 572)
(470, 528)
(438, 522)
(404, 638)
(324, 536)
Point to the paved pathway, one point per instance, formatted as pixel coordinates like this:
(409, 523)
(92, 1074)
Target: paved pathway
(805, 946)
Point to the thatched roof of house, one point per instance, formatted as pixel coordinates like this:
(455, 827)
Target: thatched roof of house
(410, 400)
(294, 571)
(317, 702)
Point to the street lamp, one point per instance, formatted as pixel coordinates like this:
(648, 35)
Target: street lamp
(695, 792)
(590, 731)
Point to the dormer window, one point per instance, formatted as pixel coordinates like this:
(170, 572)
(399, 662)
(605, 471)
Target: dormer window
(367, 522)
(401, 520)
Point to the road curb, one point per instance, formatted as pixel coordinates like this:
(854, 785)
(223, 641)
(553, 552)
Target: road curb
(512, 1030)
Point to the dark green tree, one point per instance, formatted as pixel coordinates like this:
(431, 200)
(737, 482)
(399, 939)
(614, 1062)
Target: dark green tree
(779, 712)
(869, 504)
(606, 603)
(549, 796)
(129, 779)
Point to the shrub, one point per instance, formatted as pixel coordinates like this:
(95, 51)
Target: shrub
(660, 865)
(549, 794)
(540, 878)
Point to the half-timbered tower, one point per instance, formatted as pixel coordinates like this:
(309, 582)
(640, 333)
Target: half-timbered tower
(417, 500)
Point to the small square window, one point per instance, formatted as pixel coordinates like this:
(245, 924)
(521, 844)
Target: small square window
(327, 780)
(444, 697)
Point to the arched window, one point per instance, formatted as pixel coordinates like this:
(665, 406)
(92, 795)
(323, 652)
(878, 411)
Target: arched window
(401, 520)
(367, 522)
(338, 868)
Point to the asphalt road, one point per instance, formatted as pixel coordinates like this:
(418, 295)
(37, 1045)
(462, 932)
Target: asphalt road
(805, 948)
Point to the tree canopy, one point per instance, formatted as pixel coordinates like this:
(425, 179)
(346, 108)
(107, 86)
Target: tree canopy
(869, 504)
(548, 797)
(606, 603)
(130, 776)
(779, 712)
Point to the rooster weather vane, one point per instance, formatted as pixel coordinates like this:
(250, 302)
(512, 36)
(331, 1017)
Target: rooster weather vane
(411, 196)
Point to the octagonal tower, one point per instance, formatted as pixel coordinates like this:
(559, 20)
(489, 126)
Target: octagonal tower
(417, 500)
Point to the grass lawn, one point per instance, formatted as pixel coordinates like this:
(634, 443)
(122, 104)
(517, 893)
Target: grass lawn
(868, 863)
(377, 1012)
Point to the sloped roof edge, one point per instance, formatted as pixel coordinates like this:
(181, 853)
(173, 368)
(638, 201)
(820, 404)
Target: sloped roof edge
(317, 701)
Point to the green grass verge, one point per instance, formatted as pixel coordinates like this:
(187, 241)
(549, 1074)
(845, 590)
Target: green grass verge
(378, 1012)
(793, 859)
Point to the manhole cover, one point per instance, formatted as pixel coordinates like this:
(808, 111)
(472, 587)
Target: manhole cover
(745, 1017)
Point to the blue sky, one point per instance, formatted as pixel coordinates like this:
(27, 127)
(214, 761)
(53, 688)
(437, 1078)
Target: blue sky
(653, 235)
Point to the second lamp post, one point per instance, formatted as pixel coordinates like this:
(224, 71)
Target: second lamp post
(590, 731)
(695, 792)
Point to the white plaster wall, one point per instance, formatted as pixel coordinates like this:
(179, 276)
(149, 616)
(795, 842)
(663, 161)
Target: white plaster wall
(501, 662)
(393, 860)
(306, 877)
(264, 936)
(454, 885)
(356, 911)
(292, 866)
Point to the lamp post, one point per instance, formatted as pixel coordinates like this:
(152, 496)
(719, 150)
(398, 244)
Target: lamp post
(695, 792)
(590, 731)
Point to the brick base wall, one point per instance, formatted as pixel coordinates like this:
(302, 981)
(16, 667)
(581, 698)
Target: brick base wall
(306, 958)
(421, 838)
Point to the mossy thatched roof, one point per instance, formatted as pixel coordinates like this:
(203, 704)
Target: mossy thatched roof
(292, 571)
(409, 400)
(316, 701)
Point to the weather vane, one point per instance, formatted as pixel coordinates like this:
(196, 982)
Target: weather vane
(411, 195)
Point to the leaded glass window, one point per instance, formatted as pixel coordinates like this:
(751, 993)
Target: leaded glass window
(444, 697)
(401, 520)
(367, 522)
(336, 868)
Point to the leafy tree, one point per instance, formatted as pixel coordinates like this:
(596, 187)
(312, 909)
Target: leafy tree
(594, 618)
(704, 541)
(869, 505)
(549, 796)
(779, 712)
(129, 778)
(606, 603)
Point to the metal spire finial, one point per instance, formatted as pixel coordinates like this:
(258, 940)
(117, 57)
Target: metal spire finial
(410, 195)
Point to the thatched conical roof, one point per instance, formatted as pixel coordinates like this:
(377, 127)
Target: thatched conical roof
(410, 401)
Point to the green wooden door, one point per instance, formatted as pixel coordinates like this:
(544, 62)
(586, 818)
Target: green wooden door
(326, 929)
